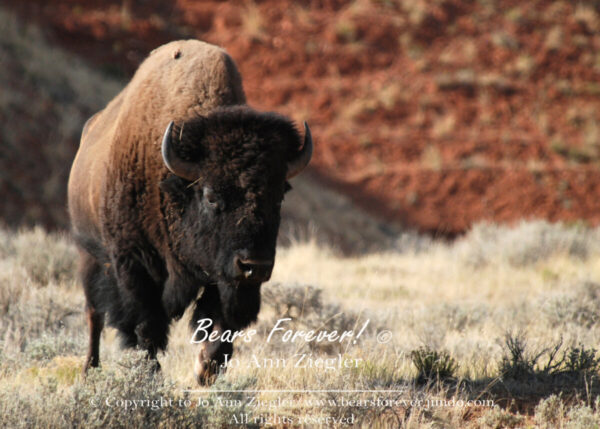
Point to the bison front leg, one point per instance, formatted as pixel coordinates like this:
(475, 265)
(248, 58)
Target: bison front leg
(228, 308)
(210, 359)
(211, 355)
(95, 325)
(143, 317)
(93, 280)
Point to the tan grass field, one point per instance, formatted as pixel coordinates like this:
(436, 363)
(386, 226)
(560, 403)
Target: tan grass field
(537, 282)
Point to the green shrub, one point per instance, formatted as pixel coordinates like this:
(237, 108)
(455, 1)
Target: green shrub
(433, 365)
(519, 364)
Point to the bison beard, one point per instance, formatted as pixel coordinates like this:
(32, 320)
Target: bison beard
(240, 304)
(229, 306)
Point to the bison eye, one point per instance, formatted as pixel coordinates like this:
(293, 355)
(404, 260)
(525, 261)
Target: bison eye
(211, 198)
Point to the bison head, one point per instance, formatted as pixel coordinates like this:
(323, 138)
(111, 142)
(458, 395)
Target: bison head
(230, 172)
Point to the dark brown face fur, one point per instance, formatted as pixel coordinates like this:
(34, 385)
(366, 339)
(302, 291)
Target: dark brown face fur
(233, 208)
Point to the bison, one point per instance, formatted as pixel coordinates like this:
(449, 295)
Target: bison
(174, 198)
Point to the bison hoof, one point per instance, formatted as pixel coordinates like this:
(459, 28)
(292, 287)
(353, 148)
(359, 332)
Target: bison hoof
(206, 369)
(155, 366)
(90, 362)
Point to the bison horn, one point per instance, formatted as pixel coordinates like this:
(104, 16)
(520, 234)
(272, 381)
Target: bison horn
(176, 165)
(303, 157)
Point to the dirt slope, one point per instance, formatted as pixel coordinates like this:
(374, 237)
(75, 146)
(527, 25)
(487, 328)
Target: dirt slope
(434, 113)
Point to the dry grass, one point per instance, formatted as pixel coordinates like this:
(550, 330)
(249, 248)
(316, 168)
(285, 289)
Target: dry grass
(448, 308)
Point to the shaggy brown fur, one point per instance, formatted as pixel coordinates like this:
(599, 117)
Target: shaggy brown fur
(202, 78)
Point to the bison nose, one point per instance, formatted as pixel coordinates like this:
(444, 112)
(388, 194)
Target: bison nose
(252, 269)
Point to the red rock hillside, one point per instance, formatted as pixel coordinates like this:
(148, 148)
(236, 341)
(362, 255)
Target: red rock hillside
(436, 114)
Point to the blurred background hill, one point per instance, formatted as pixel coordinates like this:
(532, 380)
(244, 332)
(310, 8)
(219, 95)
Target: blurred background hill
(431, 115)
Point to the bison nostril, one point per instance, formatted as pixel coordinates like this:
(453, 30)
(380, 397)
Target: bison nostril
(241, 267)
(253, 269)
(245, 268)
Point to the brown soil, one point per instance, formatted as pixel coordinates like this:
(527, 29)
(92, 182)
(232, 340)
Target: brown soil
(436, 114)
